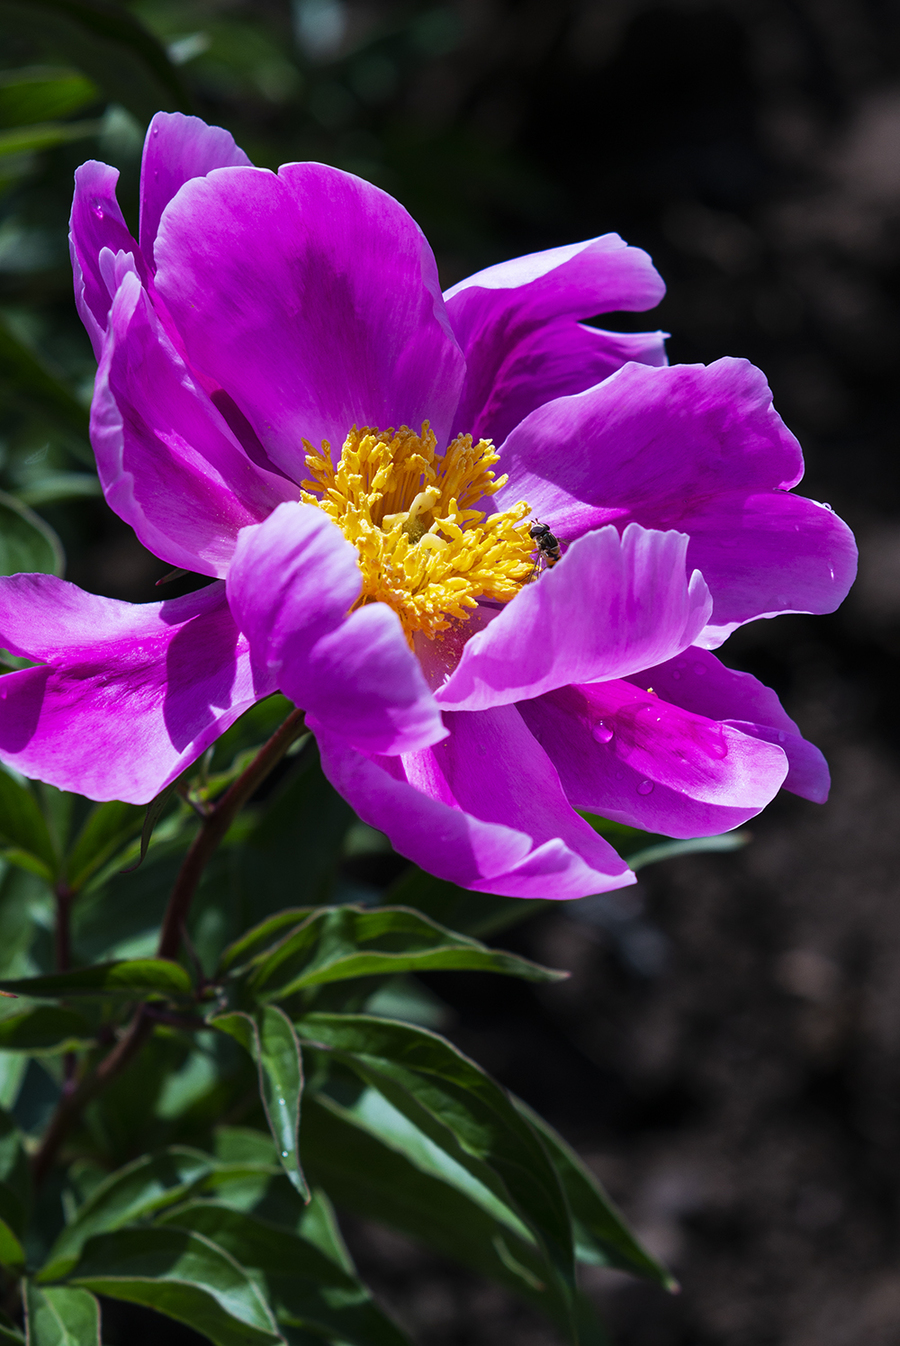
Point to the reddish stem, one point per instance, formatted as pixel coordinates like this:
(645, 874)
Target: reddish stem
(212, 831)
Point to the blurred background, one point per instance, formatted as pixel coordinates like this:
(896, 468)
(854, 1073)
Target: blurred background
(727, 1052)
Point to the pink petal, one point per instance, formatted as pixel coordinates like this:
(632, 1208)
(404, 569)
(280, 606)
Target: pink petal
(312, 298)
(483, 809)
(697, 681)
(177, 149)
(610, 607)
(633, 757)
(291, 587)
(168, 463)
(516, 324)
(97, 223)
(693, 448)
(130, 694)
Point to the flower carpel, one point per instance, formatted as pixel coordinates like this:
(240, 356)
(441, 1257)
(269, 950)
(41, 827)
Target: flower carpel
(423, 548)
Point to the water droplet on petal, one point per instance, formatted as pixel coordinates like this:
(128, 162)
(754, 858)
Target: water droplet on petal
(676, 676)
(781, 736)
(700, 669)
(645, 787)
(601, 732)
(98, 211)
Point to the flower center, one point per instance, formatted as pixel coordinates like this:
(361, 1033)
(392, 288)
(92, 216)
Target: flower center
(408, 510)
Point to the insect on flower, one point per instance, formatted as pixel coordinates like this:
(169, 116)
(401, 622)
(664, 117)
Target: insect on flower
(548, 547)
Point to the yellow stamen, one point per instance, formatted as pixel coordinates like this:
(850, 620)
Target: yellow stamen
(423, 549)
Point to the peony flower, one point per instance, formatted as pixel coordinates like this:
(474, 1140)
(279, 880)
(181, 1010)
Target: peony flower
(286, 403)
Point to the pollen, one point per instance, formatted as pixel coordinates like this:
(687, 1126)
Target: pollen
(424, 549)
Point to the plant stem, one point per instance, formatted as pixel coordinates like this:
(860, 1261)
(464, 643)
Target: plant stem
(212, 831)
(214, 827)
(71, 1105)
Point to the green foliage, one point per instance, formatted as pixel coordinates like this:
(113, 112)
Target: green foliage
(231, 1230)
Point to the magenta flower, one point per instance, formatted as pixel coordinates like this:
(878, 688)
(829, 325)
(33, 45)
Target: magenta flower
(286, 403)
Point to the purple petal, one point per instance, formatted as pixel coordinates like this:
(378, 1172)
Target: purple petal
(311, 297)
(176, 149)
(130, 694)
(483, 809)
(97, 223)
(766, 554)
(516, 324)
(699, 682)
(291, 586)
(693, 448)
(602, 612)
(167, 460)
(637, 759)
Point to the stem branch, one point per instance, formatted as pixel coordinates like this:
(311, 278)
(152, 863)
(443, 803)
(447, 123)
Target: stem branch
(212, 831)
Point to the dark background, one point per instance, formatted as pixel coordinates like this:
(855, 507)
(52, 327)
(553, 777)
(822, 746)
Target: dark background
(727, 1052)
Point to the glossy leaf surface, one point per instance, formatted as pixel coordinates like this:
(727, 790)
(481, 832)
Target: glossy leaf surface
(129, 978)
(270, 1039)
(61, 1315)
(461, 1110)
(305, 1288)
(182, 1275)
(340, 943)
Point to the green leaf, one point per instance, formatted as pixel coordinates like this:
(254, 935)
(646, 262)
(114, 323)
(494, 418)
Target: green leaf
(23, 829)
(60, 486)
(383, 1177)
(261, 938)
(27, 543)
(668, 850)
(15, 1175)
(45, 135)
(42, 93)
(270, 1039)
(132, 978)
(12, 1254)
(304, 1286)
(601, 1234)
(61, 1316)
(182, 1275)
(132, 1193)
(46, 1028)
(108, 44)
(107, 828)
(28, 382)
(463, 1111)
(339, 943)
(155, 810)
(475, 913)
(647, 848)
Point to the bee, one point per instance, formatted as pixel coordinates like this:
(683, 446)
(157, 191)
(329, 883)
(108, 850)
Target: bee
(548, 546)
